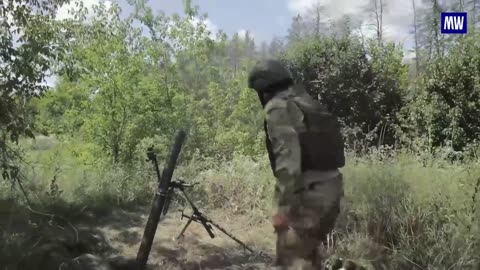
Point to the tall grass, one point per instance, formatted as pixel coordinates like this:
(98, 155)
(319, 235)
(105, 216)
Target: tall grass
(400, 210)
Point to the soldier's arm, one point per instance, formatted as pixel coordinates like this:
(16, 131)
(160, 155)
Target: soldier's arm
(286, 147)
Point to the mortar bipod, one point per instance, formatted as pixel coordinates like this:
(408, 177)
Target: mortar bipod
(199, 217)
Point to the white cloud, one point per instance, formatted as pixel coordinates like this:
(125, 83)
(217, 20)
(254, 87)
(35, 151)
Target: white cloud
(335, 8)
(364, 31)
(66, 11)
(397, 21)
(243, 33)
(209, 25)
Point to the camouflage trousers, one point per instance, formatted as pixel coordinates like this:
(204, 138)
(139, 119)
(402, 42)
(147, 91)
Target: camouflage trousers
(311, 217)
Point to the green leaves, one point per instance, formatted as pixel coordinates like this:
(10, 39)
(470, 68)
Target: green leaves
(449, 103)
(28, 47)
(362, 86)
(121, 86)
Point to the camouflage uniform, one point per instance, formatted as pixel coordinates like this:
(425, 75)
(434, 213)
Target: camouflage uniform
(309, 200)
(306, 202)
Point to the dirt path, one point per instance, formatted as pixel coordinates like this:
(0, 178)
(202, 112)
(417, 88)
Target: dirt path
(109, 233)
(35, 242)
(196, 250)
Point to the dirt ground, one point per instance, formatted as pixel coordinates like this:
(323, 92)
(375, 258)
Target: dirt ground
(195, 250)
(119, 233)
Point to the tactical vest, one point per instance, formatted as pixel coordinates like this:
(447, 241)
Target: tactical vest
(321, 141)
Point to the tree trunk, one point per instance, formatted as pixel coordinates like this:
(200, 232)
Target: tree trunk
(417, 51)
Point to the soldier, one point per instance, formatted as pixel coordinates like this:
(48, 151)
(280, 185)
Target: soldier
(305, 148)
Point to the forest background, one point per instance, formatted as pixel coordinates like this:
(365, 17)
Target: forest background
(411, 126)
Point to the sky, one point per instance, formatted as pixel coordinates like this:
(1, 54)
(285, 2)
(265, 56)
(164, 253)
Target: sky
(266, 19)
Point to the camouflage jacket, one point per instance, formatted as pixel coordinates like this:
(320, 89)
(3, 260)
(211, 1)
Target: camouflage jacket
(284, 120)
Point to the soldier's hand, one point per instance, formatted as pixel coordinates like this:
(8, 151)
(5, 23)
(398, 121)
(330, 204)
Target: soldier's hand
(280, 222)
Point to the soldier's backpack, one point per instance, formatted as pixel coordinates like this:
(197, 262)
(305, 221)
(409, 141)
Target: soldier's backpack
(322, 143)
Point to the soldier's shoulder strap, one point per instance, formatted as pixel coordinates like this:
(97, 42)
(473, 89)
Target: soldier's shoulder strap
(305, 101)
(287, 98)
(277, 102)
(286, 102)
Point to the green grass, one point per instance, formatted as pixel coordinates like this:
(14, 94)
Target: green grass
(401, 211)
(425, 217)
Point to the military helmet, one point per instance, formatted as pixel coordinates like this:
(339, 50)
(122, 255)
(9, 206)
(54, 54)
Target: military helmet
(269, 76)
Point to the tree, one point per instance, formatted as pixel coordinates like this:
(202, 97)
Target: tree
(377, 8)
(446, 111)
(473, 17)
(124, 90)
(298, 30)
(121, 97)
(474, 6)
(415, 36)
(315, 19)
(235, 52)
(430, 40)
(276, 47)
(345, 25)
(263, 53)
(28, 46)
(365, 94)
